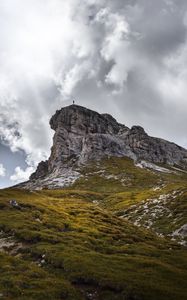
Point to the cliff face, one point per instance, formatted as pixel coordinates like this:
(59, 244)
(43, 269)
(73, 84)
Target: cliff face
(82, 135)
(154, 149)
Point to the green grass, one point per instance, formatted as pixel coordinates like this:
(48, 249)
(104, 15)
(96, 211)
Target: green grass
(75, 245)
(87, 250)
(125, 187)
(127, 175)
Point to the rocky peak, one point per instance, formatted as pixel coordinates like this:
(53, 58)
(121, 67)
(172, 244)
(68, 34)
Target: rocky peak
(75, 118)
(82, 135)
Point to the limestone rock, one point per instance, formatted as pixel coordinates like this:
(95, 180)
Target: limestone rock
(82, 135)
(41, 171)
(154, 149)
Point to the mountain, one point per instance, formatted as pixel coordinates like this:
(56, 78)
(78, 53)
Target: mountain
(83, 135)
(105, 218)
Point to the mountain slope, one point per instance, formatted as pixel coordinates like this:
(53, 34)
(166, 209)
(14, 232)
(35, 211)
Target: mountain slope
(62, 245)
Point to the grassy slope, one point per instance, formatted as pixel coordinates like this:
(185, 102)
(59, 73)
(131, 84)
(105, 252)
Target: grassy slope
(74, 245)
(127, 192)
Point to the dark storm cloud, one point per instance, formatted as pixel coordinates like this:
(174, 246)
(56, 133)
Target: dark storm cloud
(161, 27)
(127, 58)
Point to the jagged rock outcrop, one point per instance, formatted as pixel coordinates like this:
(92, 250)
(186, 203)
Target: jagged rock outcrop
(82, 135)
(154, 149)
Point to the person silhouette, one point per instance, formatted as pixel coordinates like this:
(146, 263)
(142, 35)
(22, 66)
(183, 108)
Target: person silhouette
(73, 101)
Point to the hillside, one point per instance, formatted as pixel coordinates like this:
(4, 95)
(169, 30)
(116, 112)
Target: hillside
(104, 218)
(150, 198)
(78, 243)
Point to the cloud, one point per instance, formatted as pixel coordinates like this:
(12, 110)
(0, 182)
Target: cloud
(124, 57)
(2, 171)
(21, 175)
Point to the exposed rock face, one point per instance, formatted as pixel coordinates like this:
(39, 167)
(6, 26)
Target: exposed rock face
(82, 135)
(41, 171)
(154, 149)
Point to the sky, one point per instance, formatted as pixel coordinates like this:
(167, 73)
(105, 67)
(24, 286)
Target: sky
(123, 57)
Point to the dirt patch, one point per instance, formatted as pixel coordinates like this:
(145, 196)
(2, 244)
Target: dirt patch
(9, 245)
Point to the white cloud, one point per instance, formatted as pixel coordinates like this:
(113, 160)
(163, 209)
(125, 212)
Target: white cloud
(2, 171)
(116, 46)
(75, 75)
(46, 48)
(21, 175)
